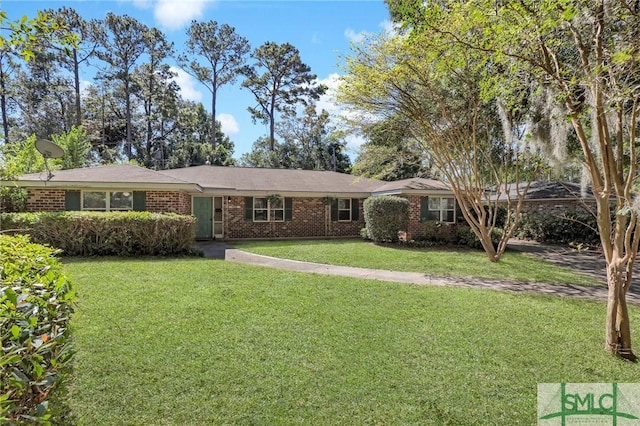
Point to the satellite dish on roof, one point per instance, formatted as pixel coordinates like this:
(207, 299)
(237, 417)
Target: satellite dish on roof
(48, 150)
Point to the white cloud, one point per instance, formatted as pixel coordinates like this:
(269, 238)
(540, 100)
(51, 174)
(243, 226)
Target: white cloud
(389, 28)
(354, 36)
(329, 103)
(187, 85)
(328, 100)
(175, 14)
(142, 4)
(228, 124)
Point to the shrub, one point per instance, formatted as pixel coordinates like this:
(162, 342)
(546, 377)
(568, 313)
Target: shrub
(572, 227)
(466, 237)
(100, 233)
(36, 301)
(440, 232)
(385, 216)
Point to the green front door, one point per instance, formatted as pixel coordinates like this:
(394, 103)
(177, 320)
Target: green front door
(203, 211)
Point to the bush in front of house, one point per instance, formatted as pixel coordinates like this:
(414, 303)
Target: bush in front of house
(36, 302)
(385, 216)
(571, 227)
(107, 234)
(457, 234)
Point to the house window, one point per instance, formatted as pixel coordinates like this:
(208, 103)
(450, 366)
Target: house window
(268, 210)
(441, 209)
(344, 209)
(107, 200)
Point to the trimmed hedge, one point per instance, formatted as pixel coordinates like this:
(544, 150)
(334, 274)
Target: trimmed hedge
(36, 302)
(572, 227)
(385, 216)
(105, 234)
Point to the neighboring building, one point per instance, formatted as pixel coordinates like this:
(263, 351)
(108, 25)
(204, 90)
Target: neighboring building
(236, 202)
(551, 197)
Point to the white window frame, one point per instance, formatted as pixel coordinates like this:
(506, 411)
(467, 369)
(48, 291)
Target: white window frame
(107, 208)
(343, 209)
(270, 209)
(442, 210)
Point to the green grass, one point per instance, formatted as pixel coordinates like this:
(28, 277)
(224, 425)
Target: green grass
(204, 342)
(438, 261)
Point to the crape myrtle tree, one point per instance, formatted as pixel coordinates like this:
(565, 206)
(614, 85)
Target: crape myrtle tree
(586, 54)
(222, 52)
(279, 81)
(437, 91)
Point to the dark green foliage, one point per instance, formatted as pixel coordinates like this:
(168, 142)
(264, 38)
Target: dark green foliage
(457, 234)
(99, 233)
(36, 301)
(570, 227)
(385, 216)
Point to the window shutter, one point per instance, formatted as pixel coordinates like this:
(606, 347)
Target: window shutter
(72, 200)
(248, 208)
(139, 201)
(288, 209)
(424, 208)
(355, 209)
(334, 210)
(459, 216)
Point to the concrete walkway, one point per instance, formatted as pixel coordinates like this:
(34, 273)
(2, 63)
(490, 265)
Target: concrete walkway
(220, 250)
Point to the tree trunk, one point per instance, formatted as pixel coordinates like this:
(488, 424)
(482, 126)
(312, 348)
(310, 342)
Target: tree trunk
(213, 117)
(129, 148)
(618, 331)
(76, 77)
(3, 105)
(272, 120)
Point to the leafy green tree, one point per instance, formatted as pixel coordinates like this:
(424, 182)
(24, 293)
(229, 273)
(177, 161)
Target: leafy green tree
(121, 45)
(18, 158)
(223, 53)
(279, 81)
(75, 56)
(44, 96)
(438, 91)
(390, 153)
(310, 142)
(77, 148)
(157, 93)
(20, 39)
(585, 56)
(189, 143)
(261, 155)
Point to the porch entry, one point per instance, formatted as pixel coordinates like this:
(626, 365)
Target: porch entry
(209, 217)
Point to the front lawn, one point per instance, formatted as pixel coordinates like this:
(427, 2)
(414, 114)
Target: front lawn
(204, 342)
(437, 261)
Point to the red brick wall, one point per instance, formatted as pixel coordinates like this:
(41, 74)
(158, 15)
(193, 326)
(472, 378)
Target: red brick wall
(168, 202)
(416, 228)
(45, 200)
(310, 218)
(52, 200)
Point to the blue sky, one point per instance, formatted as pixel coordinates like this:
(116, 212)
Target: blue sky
(321, 30)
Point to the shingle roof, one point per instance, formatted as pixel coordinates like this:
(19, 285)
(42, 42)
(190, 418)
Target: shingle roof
(244, 179)
(413, 184)
(282, 180)
(115, 173)
(549, 190)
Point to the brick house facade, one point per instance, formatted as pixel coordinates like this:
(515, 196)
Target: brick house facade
(231, 202)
